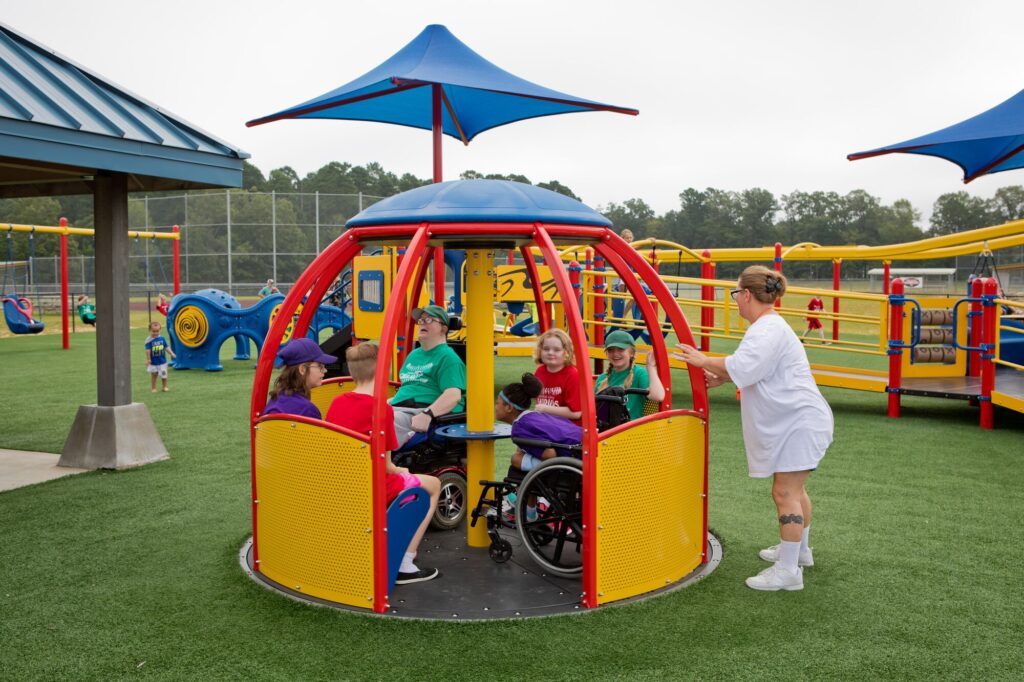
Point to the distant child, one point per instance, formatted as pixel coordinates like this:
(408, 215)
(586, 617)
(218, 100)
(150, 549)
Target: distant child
(162, 306)
(814, 305)
(558, 376)
(86, 310)
(354, 411)
(304, 368)
(157, 351)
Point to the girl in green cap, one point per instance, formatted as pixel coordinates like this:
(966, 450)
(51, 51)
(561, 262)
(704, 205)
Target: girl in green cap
(620, 349)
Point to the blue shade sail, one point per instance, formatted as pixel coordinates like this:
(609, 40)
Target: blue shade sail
(990, 142)
(476, 95)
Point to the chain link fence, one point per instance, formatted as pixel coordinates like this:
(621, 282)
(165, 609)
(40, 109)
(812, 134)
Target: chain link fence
(230, 240)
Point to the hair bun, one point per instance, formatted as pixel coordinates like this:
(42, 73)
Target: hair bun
(532, 385)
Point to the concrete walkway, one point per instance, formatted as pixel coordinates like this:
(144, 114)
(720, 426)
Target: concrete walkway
(19, 468)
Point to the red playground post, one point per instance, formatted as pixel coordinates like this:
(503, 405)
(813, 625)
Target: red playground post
(988, 355)
(977, 324)
(837, 266)
(895, 346)
(176, 250)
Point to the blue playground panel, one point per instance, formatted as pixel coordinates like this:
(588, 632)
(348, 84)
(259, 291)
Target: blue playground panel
(198, 324)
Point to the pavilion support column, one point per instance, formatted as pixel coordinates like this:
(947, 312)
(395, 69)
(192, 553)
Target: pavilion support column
(115, 433)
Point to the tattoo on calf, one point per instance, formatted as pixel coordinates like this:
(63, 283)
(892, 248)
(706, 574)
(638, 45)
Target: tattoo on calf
(791, 518)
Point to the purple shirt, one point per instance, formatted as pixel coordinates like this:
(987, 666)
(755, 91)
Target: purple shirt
(543, 426)
(292, 404)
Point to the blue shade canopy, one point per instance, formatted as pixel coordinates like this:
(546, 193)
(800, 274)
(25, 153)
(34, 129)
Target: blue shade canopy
(476, 95)
(484, 201)
(990, 142)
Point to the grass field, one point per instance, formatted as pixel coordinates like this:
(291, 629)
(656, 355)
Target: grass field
(918, 540)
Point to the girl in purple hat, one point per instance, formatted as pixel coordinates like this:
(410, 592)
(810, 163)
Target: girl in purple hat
(304, 368)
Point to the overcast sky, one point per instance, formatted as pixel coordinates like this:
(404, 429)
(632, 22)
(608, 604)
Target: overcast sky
(731, 95)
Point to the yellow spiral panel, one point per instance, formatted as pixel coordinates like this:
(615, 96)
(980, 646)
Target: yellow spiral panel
(286, 337)
(191, 326)
(314, 515)
(650, 506)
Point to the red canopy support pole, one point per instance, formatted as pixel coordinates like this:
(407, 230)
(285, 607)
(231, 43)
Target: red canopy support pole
(600, 309)
(976, 324)
(837, 267)
(65, 339)
(435, 92)
(543, 313)
(885, 276)
(707, 293)
(990, 290)
(438, 257)
(176, 250)
(778, 268)
(895, 346)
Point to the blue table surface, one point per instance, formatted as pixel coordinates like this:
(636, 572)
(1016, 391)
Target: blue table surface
(460, 432)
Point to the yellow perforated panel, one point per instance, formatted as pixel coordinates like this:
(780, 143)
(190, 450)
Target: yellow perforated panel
(323, 395)
(650, 509)
(314, 511)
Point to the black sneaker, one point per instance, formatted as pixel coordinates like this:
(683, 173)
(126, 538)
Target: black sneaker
(419, 576)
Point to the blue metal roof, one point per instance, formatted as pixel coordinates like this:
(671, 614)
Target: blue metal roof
(55, 111)
(483, 201)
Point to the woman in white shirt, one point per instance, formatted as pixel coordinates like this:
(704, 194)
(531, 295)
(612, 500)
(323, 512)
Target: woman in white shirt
(787, 425)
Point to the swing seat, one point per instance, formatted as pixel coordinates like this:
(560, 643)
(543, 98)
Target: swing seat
(18, 315)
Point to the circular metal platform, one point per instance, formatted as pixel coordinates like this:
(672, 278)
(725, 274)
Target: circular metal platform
(473, 587)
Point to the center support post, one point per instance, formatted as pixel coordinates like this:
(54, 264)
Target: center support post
(480, 279)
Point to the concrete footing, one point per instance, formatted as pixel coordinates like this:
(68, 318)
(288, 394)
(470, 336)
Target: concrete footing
(118, 437)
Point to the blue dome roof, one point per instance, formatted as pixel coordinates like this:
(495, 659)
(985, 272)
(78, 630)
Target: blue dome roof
(482, 201)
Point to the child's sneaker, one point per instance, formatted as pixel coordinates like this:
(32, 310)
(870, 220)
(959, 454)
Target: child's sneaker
(422, 575)
(775, 578)
(772, 554)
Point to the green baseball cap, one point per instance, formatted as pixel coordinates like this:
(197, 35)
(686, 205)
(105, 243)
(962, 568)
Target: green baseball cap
(432, 311)
(619, 339)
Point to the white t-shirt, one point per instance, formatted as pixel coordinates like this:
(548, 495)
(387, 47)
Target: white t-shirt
(787, 425)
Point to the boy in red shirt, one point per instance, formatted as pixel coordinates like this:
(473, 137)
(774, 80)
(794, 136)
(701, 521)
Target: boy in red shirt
(814, 305)
(354, 410)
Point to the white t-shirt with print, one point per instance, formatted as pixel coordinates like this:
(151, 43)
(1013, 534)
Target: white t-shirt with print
(787, 425)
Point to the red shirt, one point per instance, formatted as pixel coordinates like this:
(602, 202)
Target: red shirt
(354, 411)
(816, 304)
(561, 388)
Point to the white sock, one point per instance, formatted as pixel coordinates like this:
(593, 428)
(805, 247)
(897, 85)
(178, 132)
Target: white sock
(407, 563)
(789, 554)
(803, 540)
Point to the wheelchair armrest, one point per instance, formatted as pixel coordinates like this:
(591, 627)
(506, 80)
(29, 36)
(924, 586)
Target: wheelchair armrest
(450, 418)
(545, 444)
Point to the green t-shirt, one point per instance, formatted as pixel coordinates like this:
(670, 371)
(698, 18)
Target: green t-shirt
(634, 403)
(426, 374)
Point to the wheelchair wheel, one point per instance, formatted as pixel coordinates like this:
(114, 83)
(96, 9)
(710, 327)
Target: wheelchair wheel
(555, 538)
(451, 503)
(500, 551)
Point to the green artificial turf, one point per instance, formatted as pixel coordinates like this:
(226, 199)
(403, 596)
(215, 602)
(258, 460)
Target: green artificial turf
(112, 575)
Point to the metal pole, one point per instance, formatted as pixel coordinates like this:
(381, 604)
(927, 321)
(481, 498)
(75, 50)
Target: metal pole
(176, 259)
(273, 231)
(316, 203)
(436, 129)
(65, 340)
(185, 235)
(227, 196)
(360, 201)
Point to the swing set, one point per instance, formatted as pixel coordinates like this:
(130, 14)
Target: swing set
(18, 309)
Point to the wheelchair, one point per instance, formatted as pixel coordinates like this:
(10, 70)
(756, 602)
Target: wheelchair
(554, 539)
(431, 453)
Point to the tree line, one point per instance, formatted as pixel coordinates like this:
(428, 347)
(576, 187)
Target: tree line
(704, 218)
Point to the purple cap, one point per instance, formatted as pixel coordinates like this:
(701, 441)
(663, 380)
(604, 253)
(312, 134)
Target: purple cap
(298, 351)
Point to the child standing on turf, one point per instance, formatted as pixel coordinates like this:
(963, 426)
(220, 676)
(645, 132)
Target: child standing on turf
(354, 411)
(304, 368)
(814, 305)
(558, 375)
(157, 351)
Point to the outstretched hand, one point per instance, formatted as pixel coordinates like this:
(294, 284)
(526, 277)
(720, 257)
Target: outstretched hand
(690, 355)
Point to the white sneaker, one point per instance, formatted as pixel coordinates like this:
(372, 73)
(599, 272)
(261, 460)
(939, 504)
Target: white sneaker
(772, 554)
(775, 578)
